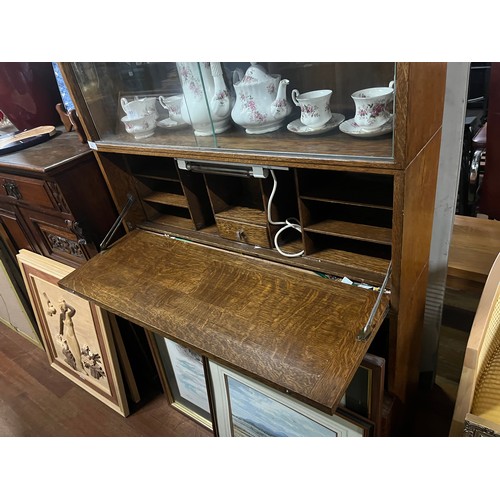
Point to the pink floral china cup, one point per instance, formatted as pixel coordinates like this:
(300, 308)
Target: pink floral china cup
(137, 108)
(314, 107)
(174, 106)
(373, 106)
(140, 128)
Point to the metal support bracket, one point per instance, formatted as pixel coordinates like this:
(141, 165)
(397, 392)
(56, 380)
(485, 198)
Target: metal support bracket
(105, 242)
(365, 333)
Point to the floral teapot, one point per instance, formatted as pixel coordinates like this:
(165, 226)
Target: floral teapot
(261, 105)
(206, 99)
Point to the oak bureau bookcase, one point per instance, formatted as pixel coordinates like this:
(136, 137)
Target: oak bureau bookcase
(283, 250)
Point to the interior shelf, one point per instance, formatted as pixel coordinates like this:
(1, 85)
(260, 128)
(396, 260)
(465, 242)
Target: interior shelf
(346, 202)
(163, 175)
(173, 220)
(372, 190)
(351, 230)
(175, 200)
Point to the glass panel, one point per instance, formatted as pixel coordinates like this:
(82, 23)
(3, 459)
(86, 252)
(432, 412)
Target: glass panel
(185, 376)
(142, 104)
(317, 117)
(253, 414)
(305, 108)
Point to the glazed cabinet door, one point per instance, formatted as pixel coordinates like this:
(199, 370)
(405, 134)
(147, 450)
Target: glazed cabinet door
(326, 109)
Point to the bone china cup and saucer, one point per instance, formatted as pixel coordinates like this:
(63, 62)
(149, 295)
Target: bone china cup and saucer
(314, 107)
(138, 108)
(373, 106)
(350, 127)
(142, 127)
(373, 115)
(299, 128)
(141, 115)
(173, 105)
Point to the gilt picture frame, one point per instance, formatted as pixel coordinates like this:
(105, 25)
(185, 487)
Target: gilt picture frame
(76, 334)
(183, 376)
(247, 408)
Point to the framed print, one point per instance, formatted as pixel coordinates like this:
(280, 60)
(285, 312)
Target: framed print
(246, 408)
(365, 394)
(76, 333)
(182, 373)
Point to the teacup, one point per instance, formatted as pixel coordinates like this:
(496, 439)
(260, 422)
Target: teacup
(139, 107)
(142, 127)
(173, 104)
(372, 106)
(314, 107)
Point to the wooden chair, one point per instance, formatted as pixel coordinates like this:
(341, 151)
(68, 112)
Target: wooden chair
(477, 408)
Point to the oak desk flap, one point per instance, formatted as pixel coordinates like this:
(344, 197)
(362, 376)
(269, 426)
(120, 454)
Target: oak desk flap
(286, 327)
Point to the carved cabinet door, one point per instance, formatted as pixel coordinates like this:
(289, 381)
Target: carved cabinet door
(59, 237)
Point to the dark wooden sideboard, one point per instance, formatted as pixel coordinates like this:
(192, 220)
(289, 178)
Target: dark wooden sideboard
(54, 201)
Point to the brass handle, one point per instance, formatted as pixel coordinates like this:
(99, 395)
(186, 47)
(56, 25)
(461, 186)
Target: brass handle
(240, 234)
(75, 228)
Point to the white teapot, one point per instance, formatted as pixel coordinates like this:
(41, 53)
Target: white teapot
(261, 105)
(206, 98)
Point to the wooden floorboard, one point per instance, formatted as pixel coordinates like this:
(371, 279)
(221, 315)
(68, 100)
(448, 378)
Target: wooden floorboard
(38, 401)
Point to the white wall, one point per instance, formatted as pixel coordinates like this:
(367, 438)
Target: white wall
(446, 195)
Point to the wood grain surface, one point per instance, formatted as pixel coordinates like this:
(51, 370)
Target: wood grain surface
(286, 327)
(62, 148)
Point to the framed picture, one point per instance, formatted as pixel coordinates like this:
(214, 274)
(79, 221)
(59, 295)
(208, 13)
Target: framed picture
(76, 333)
(183, 375)
(246, 408)
(15, 310)
(365, 394)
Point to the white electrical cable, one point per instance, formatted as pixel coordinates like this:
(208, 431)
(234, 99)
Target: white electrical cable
(286, 224)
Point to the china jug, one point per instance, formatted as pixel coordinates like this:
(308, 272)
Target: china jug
(206, 98)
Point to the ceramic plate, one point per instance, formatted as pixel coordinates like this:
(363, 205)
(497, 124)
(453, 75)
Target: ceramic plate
(351, 128)
(168, 123)
(299, 128)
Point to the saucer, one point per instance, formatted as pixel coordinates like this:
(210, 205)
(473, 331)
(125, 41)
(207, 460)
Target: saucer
(169, 123)
(299, 128)
(350, 127)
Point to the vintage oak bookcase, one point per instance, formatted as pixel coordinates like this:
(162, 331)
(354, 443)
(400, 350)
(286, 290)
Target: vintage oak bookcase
(199, 263)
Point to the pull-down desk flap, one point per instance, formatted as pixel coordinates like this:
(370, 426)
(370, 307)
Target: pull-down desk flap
(284, 326)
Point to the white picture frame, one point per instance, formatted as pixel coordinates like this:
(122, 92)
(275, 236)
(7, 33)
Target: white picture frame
(245, 407)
